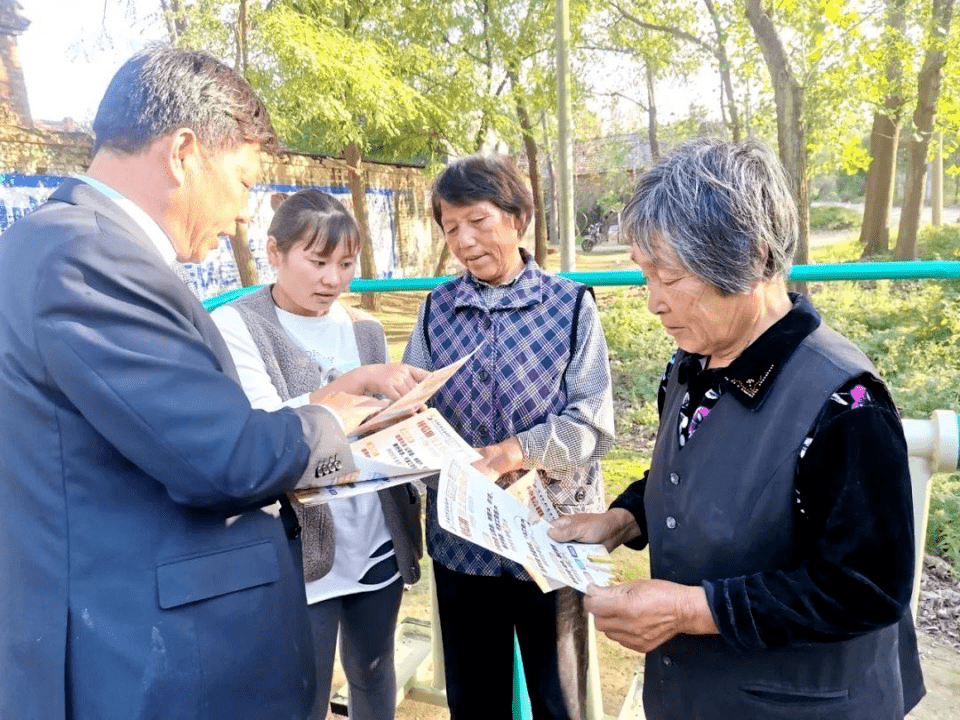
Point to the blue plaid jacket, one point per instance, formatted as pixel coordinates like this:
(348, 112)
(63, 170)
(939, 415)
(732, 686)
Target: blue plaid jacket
(519, 384)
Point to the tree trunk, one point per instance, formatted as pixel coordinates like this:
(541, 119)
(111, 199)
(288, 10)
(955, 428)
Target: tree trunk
(652, 115)
(875, 230)
(717, 51)
(368, 269)
(928, 93)
(174, 18)
(884, 139)
(936, 183)
(246, 265)
(443, 259)
(791, 128)
(241, 38)
(533, 167)
(478, 141)
(723, 66)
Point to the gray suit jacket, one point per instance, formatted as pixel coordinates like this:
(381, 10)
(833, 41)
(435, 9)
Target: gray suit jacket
(138, 579)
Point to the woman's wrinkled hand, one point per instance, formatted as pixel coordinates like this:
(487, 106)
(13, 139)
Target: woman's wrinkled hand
(611, 528)
(500, 458)
(644, 614)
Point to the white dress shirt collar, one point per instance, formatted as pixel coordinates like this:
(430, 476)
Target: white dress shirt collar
(150, 227)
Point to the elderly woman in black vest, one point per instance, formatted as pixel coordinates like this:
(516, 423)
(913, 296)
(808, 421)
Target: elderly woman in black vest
(777, 508)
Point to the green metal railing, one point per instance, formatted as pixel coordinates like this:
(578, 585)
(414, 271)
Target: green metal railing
(911, 270)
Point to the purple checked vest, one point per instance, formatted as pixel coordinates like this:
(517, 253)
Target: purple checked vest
(514, 382)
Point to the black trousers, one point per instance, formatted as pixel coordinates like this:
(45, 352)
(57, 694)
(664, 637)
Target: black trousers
(478, 617)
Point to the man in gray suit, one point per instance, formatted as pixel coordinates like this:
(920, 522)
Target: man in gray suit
(139, 575)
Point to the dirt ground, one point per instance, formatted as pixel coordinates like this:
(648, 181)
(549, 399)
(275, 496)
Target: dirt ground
(940, 654)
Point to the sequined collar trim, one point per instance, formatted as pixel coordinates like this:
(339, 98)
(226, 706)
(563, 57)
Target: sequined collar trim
(750, 376)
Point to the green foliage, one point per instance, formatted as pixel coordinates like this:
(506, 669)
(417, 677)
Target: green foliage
(329, 72)
(336, 88)
(839, 252)
(940, 243)
(852, 185)
(639, 351)
(620, 468)
(911, 332)
(943, 523)
(828, 42)
(910, 329)
(401, 79)
(834, 217)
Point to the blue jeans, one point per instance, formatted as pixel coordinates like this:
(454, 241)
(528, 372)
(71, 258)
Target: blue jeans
(367, 621)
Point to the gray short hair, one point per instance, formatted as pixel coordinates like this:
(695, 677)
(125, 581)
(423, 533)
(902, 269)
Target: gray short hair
(162, 89)
(724, 208)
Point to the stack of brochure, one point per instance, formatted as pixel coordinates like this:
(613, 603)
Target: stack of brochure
(514, 523)
(404, 443)
(398, 444)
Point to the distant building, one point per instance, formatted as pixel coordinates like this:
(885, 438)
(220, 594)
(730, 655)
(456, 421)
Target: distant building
(612, 153)
(13, 89)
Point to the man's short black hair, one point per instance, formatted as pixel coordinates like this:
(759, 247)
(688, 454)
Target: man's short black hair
(162, 88)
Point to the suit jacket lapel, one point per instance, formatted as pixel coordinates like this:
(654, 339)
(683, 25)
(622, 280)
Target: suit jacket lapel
(77, 192)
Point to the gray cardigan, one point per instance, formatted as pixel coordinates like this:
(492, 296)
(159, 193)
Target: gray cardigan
(293, 373)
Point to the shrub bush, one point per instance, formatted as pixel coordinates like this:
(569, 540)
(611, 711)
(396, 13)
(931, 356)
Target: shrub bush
(834, 217)
(943, 524)
(940, 243)
(911, 332)
(639, 351)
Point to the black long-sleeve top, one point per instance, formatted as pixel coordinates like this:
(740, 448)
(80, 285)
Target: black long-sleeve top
(853, 503)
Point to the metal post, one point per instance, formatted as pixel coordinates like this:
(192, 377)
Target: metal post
(568, 258)
(936, 180)
(594, 690)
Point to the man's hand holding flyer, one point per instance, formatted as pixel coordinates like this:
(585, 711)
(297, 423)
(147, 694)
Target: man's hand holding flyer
(413, 449)
(478, 510)
(397, 444)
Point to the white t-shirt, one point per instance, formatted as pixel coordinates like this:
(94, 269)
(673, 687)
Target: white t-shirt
(359, 525)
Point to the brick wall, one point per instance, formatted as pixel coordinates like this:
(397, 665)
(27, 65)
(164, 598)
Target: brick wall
(405, 239)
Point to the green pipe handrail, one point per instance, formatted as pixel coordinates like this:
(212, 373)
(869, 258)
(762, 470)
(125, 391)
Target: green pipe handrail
(905, 270)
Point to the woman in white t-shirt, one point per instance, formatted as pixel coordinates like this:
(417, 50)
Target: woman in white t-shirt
(294, 343)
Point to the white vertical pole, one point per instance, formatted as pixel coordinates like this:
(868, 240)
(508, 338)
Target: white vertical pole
(439, 673)
(934, 447)
(920, 473)
(568, 258)
(594, 709)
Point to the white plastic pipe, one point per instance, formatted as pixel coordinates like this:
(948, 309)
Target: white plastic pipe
(934, 447)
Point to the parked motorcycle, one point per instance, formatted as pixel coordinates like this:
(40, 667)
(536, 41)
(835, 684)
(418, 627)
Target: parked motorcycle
(592, 237)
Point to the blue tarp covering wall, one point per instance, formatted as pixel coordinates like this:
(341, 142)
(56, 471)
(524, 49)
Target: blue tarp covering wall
(21, 194)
